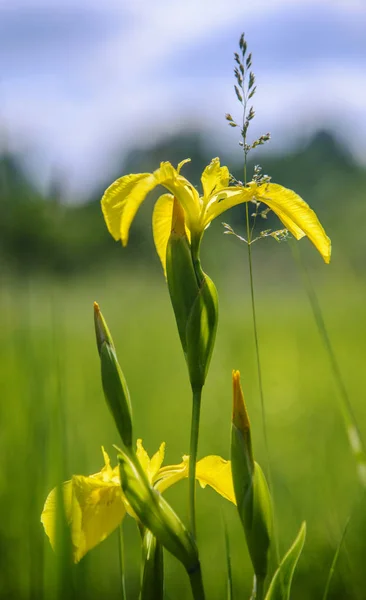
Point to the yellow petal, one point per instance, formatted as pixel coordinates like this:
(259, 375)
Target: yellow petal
(50, 511)
(182, 189)
(93, 509)
(296, 215)
(122, 200)
(150, 466)
(162, 224)
(223, 200)
(168, 476)
(216, 472)
(214, 179)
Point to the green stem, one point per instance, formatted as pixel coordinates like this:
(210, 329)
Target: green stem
(195, 423)
(258, 589)
(122, 562)
(349, 418)
(335, 558)
(195, 579)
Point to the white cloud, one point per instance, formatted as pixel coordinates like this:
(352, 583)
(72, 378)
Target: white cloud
(124, 95)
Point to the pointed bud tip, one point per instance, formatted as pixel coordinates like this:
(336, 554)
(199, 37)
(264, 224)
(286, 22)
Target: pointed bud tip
(101, 329)
(240, 416)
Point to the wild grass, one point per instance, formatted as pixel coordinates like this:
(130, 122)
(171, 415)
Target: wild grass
(54, 419)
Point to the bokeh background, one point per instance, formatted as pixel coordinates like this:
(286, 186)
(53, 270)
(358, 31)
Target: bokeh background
(93, 90)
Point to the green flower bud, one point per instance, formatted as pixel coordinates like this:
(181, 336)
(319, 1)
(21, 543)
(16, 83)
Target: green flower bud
(114, 384)
(194, 300)
(156, 514)
(250, 486)
(152, 575)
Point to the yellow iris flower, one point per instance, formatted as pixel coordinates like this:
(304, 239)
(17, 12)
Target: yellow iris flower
(95, 505)
(123, 198)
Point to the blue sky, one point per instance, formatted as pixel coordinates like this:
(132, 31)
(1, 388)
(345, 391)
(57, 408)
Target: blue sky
(83, 78)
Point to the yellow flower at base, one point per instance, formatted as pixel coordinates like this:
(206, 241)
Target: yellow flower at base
(123, 198)
(95, 505)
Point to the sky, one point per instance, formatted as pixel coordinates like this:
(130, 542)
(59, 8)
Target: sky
(84, 81)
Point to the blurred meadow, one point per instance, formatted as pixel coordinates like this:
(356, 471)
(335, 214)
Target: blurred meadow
(57, 258)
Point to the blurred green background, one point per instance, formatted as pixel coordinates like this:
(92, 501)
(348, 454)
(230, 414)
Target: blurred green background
(56, 258)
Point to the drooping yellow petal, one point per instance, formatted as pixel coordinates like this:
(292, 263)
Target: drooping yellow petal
(123, 198)
(211, 470)
(162, 224)
(296, 215)
(97, 510)
(216, 472)
(150, 466)
(94, 507)
(214, 179)
(128, 190)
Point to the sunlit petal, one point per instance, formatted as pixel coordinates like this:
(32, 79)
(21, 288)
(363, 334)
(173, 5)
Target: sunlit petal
(296, 215)
(162, 224)
(225, 199)
(214, 179)
(216, 472)
(128, 191)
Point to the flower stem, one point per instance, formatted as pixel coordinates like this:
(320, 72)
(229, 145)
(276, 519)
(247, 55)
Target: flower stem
(195, 579)
(195, 423)
(122, 562)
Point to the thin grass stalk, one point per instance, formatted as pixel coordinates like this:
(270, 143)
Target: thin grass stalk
(121, 553)
(350, 422)
(195, 423)
(335, 558)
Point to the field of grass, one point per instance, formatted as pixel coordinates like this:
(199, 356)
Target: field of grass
(54, 418)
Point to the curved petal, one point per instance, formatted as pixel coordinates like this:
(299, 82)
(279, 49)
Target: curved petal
(216, 472)
(168, 476)
(182, 189)
(123, 198)
(296, 215)
(162, 224)
(93, 510)
(223, 200)
(214, 178)
(211, 470)
(50, 510)
(128, 190)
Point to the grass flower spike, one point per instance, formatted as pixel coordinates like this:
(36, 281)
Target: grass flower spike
(123, 198)
(95, 505)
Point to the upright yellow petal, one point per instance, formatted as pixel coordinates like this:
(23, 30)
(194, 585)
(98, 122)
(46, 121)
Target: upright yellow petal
(182, 189)
(214, 179)
(152, 465)
(296, 215)
(162, 224)
(216, 472)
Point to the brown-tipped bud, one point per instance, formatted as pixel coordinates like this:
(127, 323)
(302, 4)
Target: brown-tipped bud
(250, 486)
(101, 328)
